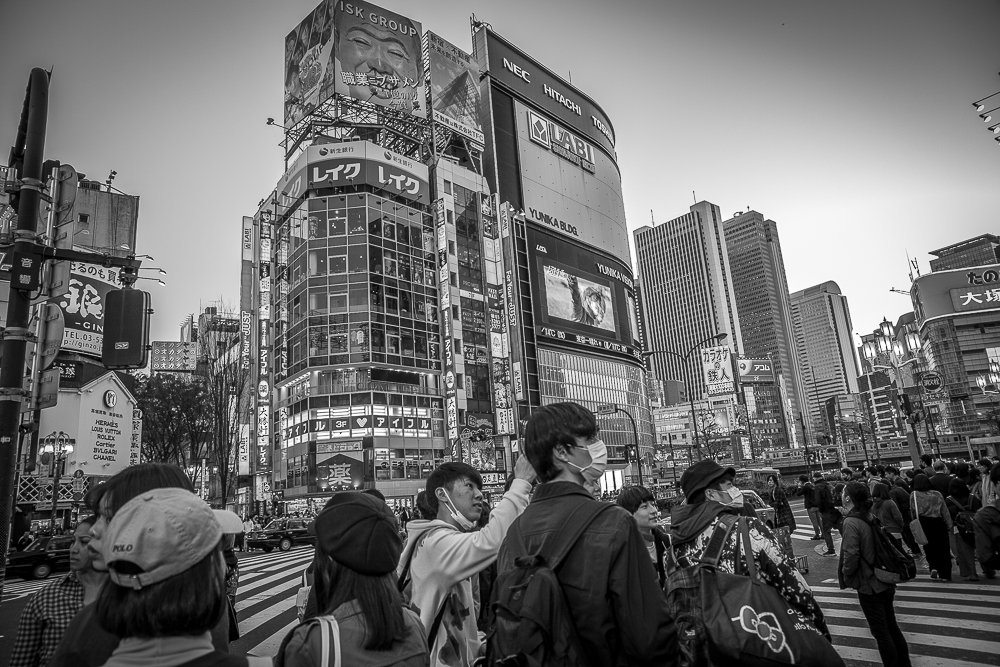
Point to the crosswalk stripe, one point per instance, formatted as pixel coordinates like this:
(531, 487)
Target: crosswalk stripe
(270, 646)
(869, 655)
(902, 592)
(910, 619)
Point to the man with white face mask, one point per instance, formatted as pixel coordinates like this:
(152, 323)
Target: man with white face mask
(606, 576)
(443, 555)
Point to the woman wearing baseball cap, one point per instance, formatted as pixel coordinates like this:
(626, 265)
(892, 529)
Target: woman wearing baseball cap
(166, 588)
(362, 619)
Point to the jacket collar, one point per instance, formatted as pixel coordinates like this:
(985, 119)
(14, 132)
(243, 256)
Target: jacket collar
(558, 490)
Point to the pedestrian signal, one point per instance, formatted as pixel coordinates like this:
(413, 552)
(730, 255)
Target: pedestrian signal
(126, 329)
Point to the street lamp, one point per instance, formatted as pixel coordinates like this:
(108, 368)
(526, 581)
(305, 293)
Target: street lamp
(718, 338)
(57, 445)
(887, 344)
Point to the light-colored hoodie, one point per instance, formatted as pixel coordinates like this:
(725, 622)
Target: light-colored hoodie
(443, 564)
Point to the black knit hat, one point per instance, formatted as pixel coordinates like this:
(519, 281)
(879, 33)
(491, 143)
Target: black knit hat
(359, 532)
(701, 475)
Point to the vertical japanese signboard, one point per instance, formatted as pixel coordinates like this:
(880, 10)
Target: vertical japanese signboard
(500, 367)
(447, 328)
(717, 370)
(262, 451)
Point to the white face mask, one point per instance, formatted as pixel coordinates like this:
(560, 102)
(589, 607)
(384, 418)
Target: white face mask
(598, 461)
(463, 523)
(731, 497)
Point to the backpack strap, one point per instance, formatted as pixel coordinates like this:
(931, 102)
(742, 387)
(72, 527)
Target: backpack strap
(713, 552)
(568, 534)
(404, 574)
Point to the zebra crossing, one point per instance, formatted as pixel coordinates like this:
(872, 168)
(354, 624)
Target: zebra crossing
(265, 600)
(15, 589)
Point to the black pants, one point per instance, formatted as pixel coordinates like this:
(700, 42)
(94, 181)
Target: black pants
(938, 547)
(881, 619)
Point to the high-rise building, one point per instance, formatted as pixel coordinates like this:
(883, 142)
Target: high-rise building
(573, 327)
(977, 251)
(687, 291)
(762, 302)
(821, 324)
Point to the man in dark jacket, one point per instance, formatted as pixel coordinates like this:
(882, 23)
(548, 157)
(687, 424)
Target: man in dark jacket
(987, 521)
(828, 512)
(809, 501)
(607, 577)
(941, 480)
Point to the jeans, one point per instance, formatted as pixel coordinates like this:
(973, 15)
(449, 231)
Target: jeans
(828, 523)
(816, 521)
(881, 619)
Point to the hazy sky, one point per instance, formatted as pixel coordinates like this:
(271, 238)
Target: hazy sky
(848, 123)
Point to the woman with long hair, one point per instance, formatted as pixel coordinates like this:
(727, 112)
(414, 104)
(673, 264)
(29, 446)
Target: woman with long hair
(784, 520)
(361, 614)
(857, 553)
(935, 519)
(886, 511)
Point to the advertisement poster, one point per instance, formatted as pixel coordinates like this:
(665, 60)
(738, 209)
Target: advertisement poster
(454, 80)
(957, 292)
(355, 49)
(717, 370)
(584, 297)
(83, 307)
(343, 471)
(755, 371)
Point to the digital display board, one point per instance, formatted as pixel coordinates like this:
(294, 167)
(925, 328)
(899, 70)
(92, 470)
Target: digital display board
(582, 297)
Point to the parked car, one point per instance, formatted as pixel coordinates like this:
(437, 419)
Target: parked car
(41, 558)
(764, 511)
(281, 533)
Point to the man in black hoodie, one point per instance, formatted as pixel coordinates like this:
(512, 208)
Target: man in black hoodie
(987, 522)
(828, 512)
(809, 499)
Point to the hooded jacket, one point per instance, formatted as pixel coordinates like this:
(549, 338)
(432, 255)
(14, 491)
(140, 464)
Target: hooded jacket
(987, 522)
(691, 528)
(445, 560)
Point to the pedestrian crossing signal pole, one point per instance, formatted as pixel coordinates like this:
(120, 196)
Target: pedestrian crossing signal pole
(26, 158)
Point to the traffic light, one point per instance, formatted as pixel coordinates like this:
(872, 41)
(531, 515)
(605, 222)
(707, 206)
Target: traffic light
(126, 329)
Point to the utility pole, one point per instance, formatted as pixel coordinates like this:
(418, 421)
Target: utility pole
(26, 157)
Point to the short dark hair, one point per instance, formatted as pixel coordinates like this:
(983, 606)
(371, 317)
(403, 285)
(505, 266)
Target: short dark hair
(860, 495)
(554, 425)
(881, 492)
(846, 471)
(631, 497)
(188, 603)
(422, 508)
(377, 595)
(985, 462)
(803, 478)
(134, 480)
(926, 459)
(445, 475)
(958, 488)
(891, 469)
(995, 473)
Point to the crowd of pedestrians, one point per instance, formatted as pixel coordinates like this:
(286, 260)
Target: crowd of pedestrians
(549, 574)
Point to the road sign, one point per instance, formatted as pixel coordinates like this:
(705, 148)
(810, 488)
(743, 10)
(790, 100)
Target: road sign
(931, 381)
(607, 409)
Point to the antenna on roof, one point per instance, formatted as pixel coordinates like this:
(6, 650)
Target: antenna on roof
(694, 197)
(652, 221)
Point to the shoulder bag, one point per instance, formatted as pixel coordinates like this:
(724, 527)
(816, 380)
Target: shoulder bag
(748, 622)
(919, 536)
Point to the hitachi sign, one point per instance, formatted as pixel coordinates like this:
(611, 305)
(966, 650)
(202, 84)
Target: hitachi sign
(562, 99)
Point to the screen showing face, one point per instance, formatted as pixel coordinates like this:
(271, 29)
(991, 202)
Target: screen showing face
(571, 297)
(582, 296)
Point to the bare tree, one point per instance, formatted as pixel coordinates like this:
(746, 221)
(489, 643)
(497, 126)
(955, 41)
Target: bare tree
(170, 404)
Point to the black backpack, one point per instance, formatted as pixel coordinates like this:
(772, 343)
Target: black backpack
(532, 624)
(964, 518)
(892, 564)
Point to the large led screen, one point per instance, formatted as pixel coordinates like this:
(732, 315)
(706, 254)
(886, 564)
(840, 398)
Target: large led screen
(581, 296)
(355, 49)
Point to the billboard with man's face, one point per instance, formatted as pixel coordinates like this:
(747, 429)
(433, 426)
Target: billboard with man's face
(355, 49)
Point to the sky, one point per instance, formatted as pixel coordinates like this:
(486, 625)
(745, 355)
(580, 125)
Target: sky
(850, 124)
